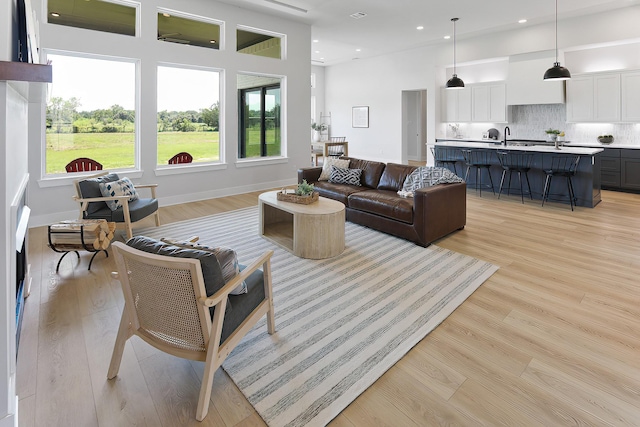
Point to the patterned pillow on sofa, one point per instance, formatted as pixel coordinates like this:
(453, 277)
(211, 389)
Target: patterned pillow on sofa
(426, 176)
(121, 187)
(326, 166)
(345, 176)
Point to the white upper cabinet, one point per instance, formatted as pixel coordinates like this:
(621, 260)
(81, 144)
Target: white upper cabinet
(456, 105)
(580, 99)
(606, 101)
(630, 83)
(604, 97)
(482, 102)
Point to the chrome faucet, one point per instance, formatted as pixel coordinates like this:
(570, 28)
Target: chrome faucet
(507, 131)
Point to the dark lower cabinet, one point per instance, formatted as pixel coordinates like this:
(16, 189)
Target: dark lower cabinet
(610, 168)
(630, 169)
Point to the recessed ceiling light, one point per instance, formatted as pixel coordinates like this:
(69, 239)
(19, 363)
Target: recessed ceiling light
(166, 15)
(212, 41)
(522, 21)
(447, 37)
(317, 51)
(55, 14)
(322, 58)
(358, 50)
(316, 41)
(419, 27)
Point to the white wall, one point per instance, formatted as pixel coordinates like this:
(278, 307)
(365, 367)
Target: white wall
(378, 82)
(51, 201)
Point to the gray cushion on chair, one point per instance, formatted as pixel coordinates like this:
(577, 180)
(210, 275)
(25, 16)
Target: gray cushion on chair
(138, 209)
(243, 304)
(90, 188)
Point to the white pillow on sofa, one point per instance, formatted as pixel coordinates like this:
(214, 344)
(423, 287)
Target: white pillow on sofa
(332, 161)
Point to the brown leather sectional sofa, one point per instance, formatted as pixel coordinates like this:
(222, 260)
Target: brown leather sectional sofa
(431, 214)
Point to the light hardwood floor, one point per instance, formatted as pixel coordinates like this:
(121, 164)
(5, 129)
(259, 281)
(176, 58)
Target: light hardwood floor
(551, 339)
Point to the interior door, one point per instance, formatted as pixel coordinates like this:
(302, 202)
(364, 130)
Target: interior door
(414, 125)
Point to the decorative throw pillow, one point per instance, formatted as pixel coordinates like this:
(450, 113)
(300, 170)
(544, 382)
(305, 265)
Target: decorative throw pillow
(227, 258)
(326, 166)
(121, 187)
(345, 176)
(426, 176)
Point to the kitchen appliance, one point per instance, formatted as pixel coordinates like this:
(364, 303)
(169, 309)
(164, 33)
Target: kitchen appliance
(493, 133)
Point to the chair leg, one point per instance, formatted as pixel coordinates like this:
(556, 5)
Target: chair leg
(466, 174)
(157, 217)
(526, 175)
(268, 293)
(509, 185)
(491, 180)
(504, 172)
(124, 333)
(479, 180)
(520, 181)
(571, 198)
(207, 384)
(545, 192)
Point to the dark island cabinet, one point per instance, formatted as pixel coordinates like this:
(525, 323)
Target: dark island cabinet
(630, 169)
(610, 168)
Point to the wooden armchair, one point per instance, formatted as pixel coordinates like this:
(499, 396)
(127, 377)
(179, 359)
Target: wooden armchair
(83, 164)
(182, 157)
(189, 323)
(93, 203)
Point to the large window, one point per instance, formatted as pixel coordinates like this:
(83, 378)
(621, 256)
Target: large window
(260, 123)
(91, 112)
(188, 113)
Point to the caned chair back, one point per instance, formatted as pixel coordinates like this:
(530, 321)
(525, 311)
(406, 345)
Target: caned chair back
(161, 295)
(182, 157)
(83, 164)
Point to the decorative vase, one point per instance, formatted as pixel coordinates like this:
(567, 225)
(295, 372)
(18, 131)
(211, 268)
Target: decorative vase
(316, 135)
(552, 137)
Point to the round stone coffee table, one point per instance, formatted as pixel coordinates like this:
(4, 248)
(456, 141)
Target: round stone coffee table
(314, 231)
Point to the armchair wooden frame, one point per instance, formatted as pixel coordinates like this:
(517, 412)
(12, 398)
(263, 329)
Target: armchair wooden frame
(154, 320)
(127, 224)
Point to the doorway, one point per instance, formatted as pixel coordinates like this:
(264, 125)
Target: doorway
(414, 126)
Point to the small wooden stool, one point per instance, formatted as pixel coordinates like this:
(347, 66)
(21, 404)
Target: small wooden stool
(91, 235)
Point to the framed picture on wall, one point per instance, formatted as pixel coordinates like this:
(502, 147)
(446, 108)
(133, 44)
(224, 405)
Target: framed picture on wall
(360, 117)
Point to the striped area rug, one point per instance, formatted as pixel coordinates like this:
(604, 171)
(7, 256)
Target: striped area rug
(341, 322)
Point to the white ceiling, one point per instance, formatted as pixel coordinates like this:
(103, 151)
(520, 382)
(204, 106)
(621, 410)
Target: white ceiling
(390, 25)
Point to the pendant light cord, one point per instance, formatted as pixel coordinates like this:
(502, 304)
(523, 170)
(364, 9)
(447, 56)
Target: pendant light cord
(454, 44)
(556, 30)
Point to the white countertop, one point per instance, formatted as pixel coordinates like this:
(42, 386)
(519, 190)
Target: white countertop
(594, 144)
(567, 149)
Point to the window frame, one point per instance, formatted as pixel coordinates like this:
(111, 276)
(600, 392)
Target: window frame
(241, 116)
(281, 36)
(162, 169)
(137, 5)
(51, 179)
(199, 18)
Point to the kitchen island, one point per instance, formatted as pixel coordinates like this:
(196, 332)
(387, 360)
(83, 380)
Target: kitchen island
(586, 182)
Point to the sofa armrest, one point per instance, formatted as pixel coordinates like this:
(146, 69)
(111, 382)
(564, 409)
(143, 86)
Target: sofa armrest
(310, 174)
(439, 210)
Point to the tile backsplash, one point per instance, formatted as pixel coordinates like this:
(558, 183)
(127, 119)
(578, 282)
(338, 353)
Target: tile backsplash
(530, 122)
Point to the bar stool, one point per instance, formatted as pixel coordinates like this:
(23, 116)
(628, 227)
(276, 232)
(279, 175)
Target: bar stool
(445, 156)
(478, 159)
(565, 166)
(515, 161)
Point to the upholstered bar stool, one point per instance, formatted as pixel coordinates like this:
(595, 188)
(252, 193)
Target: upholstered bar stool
(445, 156)
(563, 166)
(480, 160)
(519, 162)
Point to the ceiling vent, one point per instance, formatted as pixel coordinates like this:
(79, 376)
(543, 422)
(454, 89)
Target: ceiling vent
(358, 15)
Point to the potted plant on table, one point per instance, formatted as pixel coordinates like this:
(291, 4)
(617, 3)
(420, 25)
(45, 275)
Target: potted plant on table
(304, 194)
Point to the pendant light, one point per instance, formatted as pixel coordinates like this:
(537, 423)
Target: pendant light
(454, 82)
(557, 72)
